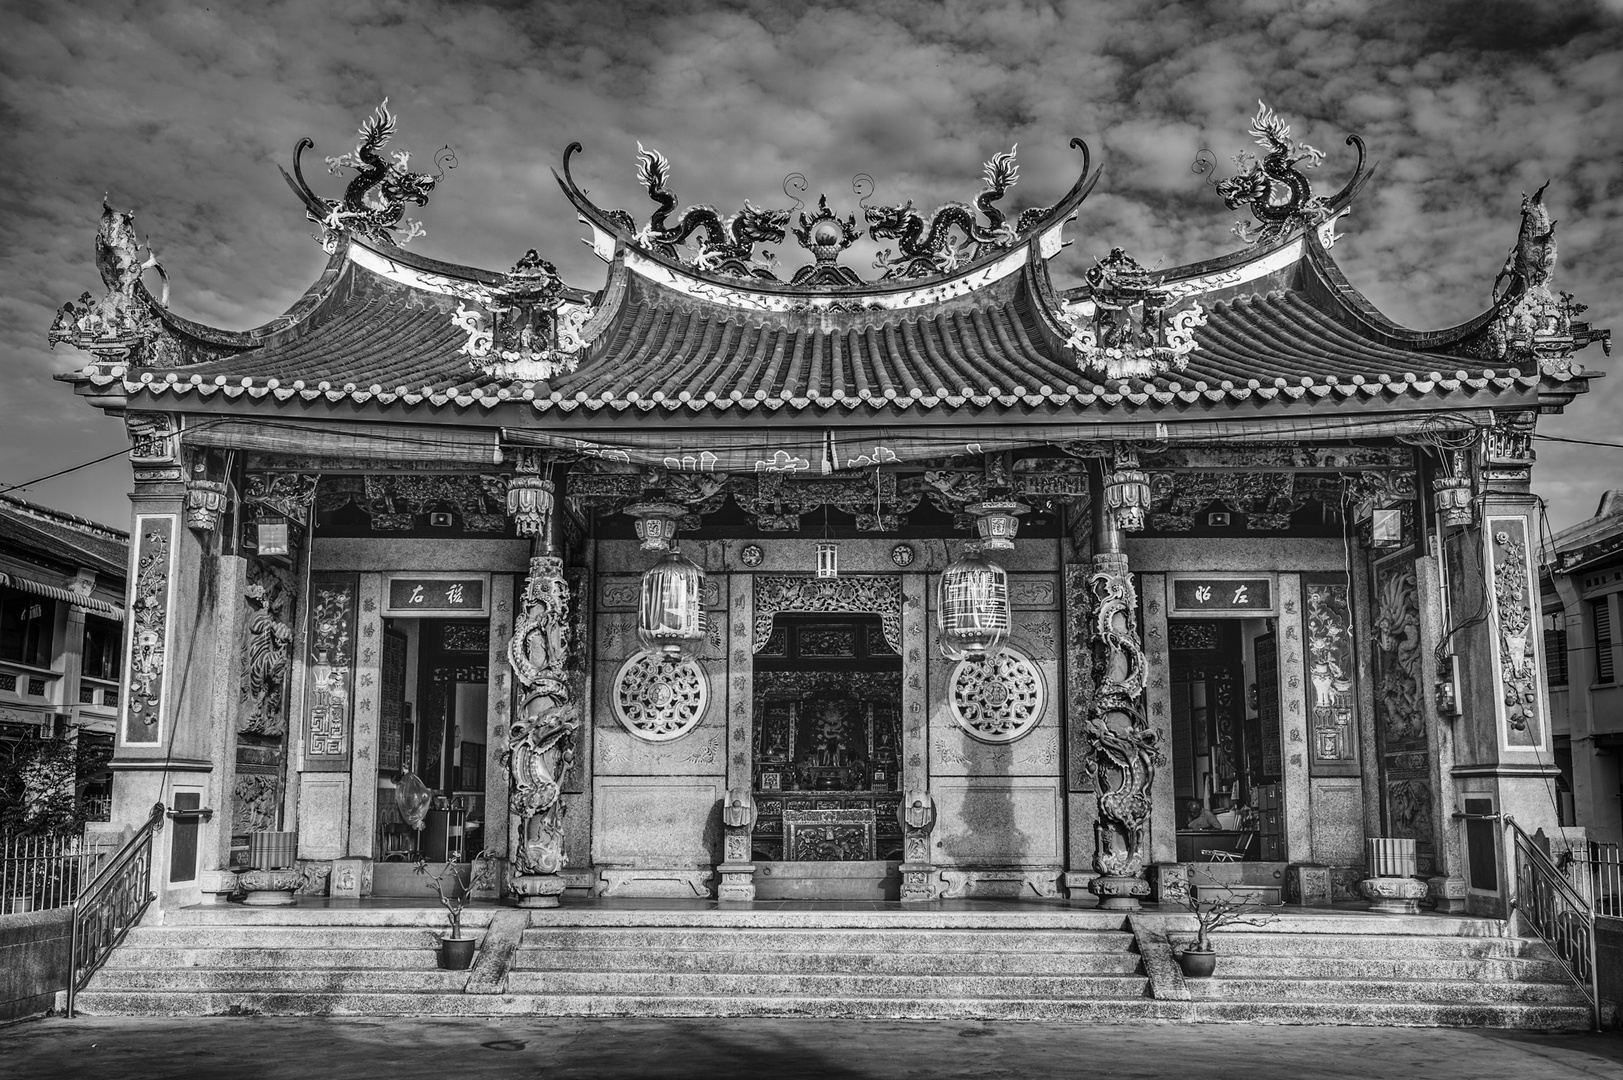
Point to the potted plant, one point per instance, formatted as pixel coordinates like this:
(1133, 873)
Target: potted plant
(455, 884)
(1198, 959)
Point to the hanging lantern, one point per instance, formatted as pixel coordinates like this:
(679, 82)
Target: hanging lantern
(670, 618)
(1127, 497)
(529, 503)
(972, 609)
(828, 559)
(1453, 499)
(997, 522)
(656, 523)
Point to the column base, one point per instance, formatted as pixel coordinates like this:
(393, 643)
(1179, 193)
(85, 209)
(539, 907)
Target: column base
(1117, 893)
(216, 885)
(1447, 895)
(351, 878)
(269, 888)
(1077, 882)
(1308, 884)
(918, 883)
(1393, 895)
(537, 890)
(737, 883)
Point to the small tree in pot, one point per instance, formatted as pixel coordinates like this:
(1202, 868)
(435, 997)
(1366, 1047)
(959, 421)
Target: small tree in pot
(455, 884)
(1198, 959)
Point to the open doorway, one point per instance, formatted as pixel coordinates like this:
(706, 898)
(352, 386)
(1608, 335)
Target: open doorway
(1226, 750)
(827, 765)
(433, 723)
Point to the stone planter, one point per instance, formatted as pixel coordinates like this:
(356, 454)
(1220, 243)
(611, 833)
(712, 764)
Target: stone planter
(1196, 963)
(269, 888)
(456, 954)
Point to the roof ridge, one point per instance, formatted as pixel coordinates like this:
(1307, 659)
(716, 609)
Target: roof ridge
(62, 517)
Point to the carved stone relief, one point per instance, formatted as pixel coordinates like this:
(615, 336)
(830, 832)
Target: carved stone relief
(997, 699)
(657, 699)
(869, 594)
(1332, 702)
(267, 651)
(149, 629)
(1518, 659)
(1400, 729)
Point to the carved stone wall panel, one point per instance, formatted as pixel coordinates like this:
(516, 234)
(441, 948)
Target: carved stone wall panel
(916, 698)
(740, 676)
(150, 635)
(617, 635)
(700, 751)
(618, 592)
(329, 682)
(1400, 723)
(1034, 591)
(1332, 698)
(255, 803)
(267, 650)
(1515, 638)
(1078, 679)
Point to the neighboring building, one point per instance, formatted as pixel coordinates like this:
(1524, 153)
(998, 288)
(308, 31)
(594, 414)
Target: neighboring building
(1583, 611)
(421, 526)
(61, 636)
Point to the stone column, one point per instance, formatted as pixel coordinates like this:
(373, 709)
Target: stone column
(1124, 746)
(736, 872)
(499, 708)
(541, 738)
(363, 777)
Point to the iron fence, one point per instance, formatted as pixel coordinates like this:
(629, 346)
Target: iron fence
(42, 872)
(1599, 877)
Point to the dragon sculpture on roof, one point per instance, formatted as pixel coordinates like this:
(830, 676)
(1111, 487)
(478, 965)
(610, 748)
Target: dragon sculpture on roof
(953, 234)
(1274, 188)
(374, 202)
(728, 244)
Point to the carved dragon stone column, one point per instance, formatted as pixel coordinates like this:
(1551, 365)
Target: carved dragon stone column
(541, 739)
(1123, 745)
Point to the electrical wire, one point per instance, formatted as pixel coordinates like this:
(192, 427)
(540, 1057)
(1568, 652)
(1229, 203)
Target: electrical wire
(1580, 442)
(63, 472)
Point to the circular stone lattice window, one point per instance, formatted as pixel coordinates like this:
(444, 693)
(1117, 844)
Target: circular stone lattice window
(997, 699)
(659, 699)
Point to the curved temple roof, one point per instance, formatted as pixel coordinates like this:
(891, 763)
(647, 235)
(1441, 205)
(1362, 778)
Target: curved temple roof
(969, 336)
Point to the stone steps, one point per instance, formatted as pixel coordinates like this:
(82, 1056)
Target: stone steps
(1026, 963)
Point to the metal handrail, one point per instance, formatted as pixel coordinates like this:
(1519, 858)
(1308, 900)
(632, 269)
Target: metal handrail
(1558, 912)
(112, 903)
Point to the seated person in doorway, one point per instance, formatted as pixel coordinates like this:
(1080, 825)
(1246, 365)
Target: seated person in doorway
(1199, 816)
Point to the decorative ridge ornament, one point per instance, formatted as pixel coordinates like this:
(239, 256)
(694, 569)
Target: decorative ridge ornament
(1273, 187)
(126, 311)
(725, 247)
(929, 247)
(1533, 325)
(1123, 329)
(729, 246)
(374, 202)
(531, 332)
(826, 235)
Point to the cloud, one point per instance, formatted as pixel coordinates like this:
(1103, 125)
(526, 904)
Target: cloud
(182, 113)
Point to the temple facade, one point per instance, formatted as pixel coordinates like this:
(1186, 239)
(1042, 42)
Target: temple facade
(717, 578)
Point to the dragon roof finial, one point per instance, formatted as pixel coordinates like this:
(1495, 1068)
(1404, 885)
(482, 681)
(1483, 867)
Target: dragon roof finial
(1274, 186)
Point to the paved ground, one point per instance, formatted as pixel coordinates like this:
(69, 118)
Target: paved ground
(227, 1048)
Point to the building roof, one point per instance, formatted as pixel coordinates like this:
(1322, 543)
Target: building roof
(674, 338)
(1590, 540)
(37, 533)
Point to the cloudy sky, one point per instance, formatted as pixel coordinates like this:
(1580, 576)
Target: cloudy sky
(181, 113)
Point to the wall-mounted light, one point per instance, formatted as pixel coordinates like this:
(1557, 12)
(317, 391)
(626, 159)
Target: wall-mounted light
(270, 537)
(1386, 527)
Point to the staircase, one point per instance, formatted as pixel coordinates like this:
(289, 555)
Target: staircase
(1032, 962)
(1443, 972)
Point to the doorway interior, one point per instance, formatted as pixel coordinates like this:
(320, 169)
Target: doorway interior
(827, 768)
(1226, 741)
(433, 723)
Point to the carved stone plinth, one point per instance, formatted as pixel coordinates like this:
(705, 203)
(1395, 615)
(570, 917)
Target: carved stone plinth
(1447, 895)
(537, 890)
(737, 883)
(1118, 893)
(270, 888)
(1393, 895)
(1168, 880)
(216, 885)
(487, 882)
(351, 878)
(918, 883)
(1308, 884)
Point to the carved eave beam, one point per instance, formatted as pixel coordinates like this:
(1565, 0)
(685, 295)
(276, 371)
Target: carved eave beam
(879, 501)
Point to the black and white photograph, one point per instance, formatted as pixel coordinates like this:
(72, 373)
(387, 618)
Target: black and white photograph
(798, 538)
